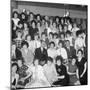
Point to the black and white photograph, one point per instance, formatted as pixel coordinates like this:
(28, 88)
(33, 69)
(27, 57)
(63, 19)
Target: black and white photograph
(49, 44)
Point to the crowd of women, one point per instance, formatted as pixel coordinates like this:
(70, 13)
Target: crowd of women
(47, 51)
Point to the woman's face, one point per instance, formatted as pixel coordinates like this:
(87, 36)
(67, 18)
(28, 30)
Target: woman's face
(49, 62)
(55, 36)
(73, 61)
(13, 47)
(38, 24)
(58, 62)
(50, 35)
(14, 69)
(52, 46)
(23, 16)
(65, 28)
(24, 46)
(33, 25)
(54, 25)
(28, 38)
(60, 45)
(60, 27)
(20, 25)
(62, 36)
(25, 25)
(38, 18)
(36, 37)
(62, 21)
(46, 24)
(15, 15)
(57, 19)
(36, 62)
(19, 34)
(79, 54)
(19, 63)
(43, 36)
(46, 18)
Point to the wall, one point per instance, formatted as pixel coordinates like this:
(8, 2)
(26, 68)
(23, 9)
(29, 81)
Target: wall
(52, 11)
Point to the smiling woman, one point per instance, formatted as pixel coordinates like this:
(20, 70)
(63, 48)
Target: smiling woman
(47, 41)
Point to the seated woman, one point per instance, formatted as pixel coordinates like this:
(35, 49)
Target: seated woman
(38, 77)
(15, 76)
(63, 78)
(72, 71)
(50, 71)
(24, 75)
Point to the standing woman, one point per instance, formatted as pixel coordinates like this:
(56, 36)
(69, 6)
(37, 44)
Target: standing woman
(82, 67)
(25, 30)
(27, 54)
(15, 19)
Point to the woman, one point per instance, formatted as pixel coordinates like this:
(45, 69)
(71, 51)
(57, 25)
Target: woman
(33, 29)
(54, 29)
(63, 78)
(30, 42)
(39, 28)
(18, 39)
(38, 77)
(26, 53)
(15, 53)
(24, 74)
(72, 71)
(15, 76)
(25, 30)
(15, 19)
(52, 51)
(50, 71)
(82, 67)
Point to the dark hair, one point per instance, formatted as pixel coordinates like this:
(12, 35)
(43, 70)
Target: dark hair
(23, 14)
(52, 43)
(50, 59)
(62, 34)
(35, 60)
(60, 41)
(21, 59)
(80, 51)
(27, 36)
(79, 32)
(59, 58)
(15, 12)
(33, 21)
(15, 64)
(55, 34)
(24, 43)
(47, 23)
(38, 15)
(51, 33)
(26, 23)
(68, 32)
(43, 33)
(20, 22)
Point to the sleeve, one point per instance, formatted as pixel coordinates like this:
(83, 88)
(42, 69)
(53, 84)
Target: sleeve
(64, 55)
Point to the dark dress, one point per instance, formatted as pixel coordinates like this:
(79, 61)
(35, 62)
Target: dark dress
(80, 66)
(32, 32)
(22, 74)
(61, 70)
